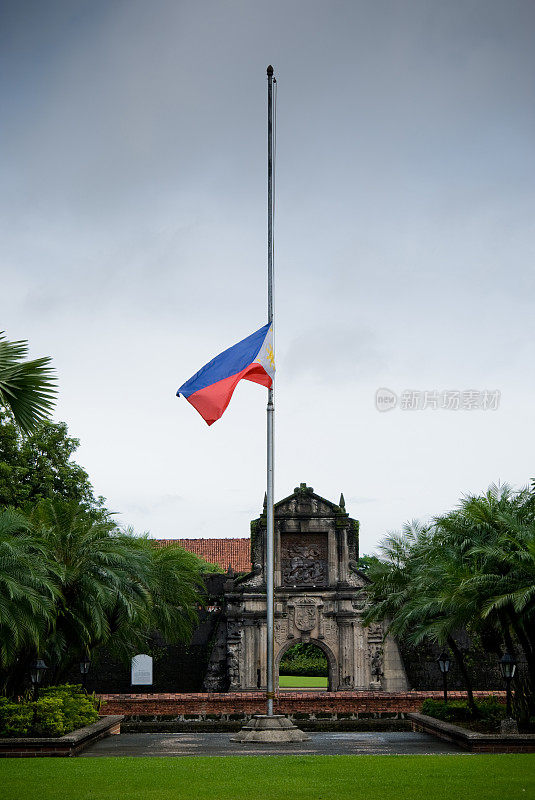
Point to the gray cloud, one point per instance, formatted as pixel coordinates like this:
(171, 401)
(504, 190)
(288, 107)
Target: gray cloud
(133, 231)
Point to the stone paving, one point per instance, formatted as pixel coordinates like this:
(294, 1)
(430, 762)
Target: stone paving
(219, 744)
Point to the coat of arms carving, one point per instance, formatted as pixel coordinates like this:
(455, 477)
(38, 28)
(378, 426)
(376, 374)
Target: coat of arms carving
(305, 616)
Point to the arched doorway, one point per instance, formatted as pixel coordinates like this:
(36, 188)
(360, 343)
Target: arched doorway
(306, 665)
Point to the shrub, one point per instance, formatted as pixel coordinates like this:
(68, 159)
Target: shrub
(79, 709)
(15, 718)
(489, 710)
(454, 711)
(49, 719)
(59, 710)
(304, 665)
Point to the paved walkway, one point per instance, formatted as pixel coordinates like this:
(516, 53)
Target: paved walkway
(219, 744)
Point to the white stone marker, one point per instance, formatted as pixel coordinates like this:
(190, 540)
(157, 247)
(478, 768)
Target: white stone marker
(141, 670)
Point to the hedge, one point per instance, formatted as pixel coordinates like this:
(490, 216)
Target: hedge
(59, 710)
(304, 665)
(489, 710)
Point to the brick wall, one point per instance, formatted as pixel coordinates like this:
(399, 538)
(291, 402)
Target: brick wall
(201, 705)
(60, 746)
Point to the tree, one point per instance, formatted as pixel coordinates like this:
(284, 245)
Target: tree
(366, 561)
(28, 590)
(102, 577)
(495, 536)
(175, 585)
(71, 583)
(27, 388)
(40, 466)
(473, 568)
(410, 589)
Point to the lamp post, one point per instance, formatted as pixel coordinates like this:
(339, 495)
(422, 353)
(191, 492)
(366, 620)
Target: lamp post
(85, 666)
(508, 669)
(444, 663)
(37, 670)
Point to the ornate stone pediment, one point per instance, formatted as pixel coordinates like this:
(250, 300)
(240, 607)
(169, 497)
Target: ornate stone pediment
(304, 502)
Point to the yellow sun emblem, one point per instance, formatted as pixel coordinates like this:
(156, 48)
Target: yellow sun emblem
(270, 355)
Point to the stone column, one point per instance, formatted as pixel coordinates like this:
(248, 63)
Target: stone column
(248, 659)
(290, 620)
(367, 667)
(345, 557)
(263, 645)
(257, 656)
(359, 656)
(277, 575)
(332, 559)
(345, 633)
(234, 656)
(321, 635)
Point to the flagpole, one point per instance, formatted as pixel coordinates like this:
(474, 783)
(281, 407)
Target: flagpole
(270, 420)
(270, 727)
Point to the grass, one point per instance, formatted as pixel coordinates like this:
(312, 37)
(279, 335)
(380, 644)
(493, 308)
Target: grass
(472, 777)
(300, 682)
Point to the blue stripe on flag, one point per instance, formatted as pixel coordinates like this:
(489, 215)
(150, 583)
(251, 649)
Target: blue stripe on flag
(228, 363)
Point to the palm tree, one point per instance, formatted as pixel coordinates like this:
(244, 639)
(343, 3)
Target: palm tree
(71, 583)
(116, 588)
(27, 388)
(29, 591)
(472, 568)
(103, 578)
(501, 579)
(176, 590)
(408, 590)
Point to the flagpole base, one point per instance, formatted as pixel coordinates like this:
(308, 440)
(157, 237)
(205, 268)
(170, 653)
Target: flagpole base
(270, 730)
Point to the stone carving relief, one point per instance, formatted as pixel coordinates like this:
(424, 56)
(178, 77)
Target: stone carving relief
(280, 631)
(376, 665)
(330, 629)
(304, 560)
(233, 653)
(305, 615)
(375, 654)
(375, 632)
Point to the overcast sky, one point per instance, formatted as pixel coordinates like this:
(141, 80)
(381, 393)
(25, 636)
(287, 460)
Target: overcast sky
(133, 229)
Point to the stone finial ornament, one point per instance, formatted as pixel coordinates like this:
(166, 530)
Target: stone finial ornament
(303, 489)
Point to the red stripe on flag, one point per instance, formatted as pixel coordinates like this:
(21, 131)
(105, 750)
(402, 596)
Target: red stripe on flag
(212, 401)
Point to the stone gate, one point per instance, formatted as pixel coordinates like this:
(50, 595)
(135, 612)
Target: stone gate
(320, 597)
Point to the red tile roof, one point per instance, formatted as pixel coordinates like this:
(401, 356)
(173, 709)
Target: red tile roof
(236, 552)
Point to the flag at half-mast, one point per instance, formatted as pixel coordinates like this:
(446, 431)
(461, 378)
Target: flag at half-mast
(210, 389)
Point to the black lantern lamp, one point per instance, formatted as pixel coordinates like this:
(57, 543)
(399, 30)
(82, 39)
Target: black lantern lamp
(508, 669)
(37, 670)
(444, 664)
(508, 666)
(85, 666)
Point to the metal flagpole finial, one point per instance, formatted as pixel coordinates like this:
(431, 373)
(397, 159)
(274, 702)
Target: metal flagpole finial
(270, 71)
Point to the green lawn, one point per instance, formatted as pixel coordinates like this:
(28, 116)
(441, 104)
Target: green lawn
(290, 681)
(470, 777)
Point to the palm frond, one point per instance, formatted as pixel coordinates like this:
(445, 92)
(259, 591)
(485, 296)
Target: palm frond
(27, 388)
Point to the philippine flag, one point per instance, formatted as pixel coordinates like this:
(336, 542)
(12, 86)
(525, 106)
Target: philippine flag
(252, 359)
